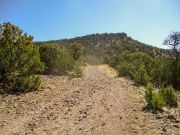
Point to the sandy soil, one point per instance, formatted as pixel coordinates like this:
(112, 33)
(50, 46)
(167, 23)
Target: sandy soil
(99, 103)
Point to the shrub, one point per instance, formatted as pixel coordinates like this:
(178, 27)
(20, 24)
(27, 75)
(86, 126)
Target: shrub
(19, 58)
(32, 83)
(169, 96)
(164, 97)
(149, 94)
(137, 66)
(154, 99)
(161, 72)
(57, 59)
(140, 76)
(76, 50)
(142, 68)
(113, 61)
(124, 68)
(158, 101)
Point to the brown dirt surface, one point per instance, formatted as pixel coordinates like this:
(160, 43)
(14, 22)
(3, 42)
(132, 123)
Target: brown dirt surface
(99, 103)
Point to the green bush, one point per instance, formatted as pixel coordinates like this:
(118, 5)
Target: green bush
(113, 61)
(149, 94)
(32, 83)
(161, 98)
(124, 68)
(19, 58)
(57, 59)
(161, 72)
(169, 96)
(157, 101)
(142, 68)
(76, 51)
(154, 99)
(135, 65)
(140, 76)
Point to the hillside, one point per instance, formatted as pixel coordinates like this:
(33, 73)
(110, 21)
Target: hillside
(100, 46)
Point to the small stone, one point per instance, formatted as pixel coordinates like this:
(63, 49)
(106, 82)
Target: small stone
(135, 131)
(80, 129)
(158, 117)
(165, 109)
(170, 117)
(164, 130)
(8, 111)
(177, 120)
(103, 124)
(134, 110)
(177, 126)
(85, 130)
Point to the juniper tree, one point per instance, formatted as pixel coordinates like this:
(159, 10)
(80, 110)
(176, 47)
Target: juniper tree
(57, 59)
(19, 59)
(76, 50)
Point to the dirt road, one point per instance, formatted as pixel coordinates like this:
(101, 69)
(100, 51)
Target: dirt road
(99, 103)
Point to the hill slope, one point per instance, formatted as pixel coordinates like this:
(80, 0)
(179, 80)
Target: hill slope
(99, 46)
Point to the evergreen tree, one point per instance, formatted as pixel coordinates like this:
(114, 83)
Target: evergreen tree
(19, 59)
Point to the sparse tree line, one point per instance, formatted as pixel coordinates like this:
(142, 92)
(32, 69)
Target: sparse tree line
(21, 60)
(144, 69)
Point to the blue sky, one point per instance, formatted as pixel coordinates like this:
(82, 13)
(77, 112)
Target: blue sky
(148, 21)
